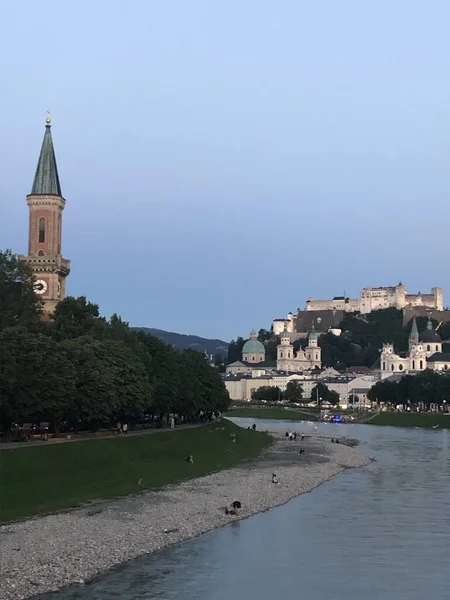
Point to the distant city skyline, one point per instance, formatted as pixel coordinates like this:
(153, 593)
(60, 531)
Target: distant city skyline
(222, 162)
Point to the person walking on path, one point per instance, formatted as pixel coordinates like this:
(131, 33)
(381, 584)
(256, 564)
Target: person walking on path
(125, 428)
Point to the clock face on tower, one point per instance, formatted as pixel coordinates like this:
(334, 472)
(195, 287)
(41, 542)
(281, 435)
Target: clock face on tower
(40, 286)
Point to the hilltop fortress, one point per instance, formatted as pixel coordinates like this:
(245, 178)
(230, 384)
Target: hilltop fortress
(377, 298)
(370, 299)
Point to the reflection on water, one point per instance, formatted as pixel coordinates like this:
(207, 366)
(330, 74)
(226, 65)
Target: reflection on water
(378, 533)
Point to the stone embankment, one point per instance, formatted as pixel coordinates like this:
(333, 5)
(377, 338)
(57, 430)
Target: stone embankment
(47, 553)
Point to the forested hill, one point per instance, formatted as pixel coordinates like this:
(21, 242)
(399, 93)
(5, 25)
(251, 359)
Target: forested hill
(191, 342)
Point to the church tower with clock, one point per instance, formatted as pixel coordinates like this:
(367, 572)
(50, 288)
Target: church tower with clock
(46, 205)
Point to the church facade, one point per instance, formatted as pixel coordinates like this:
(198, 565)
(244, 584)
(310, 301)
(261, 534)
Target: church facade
(303, 360)
(424, 352)
(46, 204)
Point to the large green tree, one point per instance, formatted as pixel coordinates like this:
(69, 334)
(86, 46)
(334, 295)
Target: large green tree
(321, 393)
(76, 317)
(294, 391)
(267, 392)
(37, 379)
(20, 306)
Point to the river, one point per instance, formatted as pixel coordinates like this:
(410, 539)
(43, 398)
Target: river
(377, 533)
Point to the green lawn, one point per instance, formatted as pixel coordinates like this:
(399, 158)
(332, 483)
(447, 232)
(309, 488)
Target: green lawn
(45, 479)
(273, 413)
(411, 420)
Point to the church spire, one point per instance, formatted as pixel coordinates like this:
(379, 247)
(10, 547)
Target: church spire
(414, 335)
(46, 179)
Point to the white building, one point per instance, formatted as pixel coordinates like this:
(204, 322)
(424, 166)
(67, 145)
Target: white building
(424, 352)
(302, 360)
(370, 299)
(377, 298)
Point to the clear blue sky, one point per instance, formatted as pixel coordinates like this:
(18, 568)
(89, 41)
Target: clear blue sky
(223, 160)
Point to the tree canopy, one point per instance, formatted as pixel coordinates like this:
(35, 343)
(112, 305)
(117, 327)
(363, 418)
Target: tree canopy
(80, 367)
(322, 393)
(428, 387)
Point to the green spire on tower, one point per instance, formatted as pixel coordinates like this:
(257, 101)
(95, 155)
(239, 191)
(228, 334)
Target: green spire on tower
(46, 179)
(414, 335)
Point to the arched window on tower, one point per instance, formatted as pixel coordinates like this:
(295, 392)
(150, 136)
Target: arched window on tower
(421, 364)
(41, 230)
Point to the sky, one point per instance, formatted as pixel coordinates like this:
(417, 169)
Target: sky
(224, 160)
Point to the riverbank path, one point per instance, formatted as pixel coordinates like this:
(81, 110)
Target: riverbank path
(92, 436)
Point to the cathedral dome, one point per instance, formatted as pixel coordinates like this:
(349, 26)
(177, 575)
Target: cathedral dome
(430, 335)
(253, 345)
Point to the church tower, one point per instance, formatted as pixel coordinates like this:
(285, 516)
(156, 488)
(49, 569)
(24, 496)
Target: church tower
(414, 334)
(46, 205)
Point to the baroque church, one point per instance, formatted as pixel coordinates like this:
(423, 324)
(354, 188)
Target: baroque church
(46, 204)
(288, 360)
(424, 352)
(303, 360)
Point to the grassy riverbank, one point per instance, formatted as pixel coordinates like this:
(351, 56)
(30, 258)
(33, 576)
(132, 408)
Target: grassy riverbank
(273, 413)
(44, 479)
(410, 420)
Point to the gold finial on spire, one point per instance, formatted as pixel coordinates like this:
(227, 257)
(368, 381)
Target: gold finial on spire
(48, 119)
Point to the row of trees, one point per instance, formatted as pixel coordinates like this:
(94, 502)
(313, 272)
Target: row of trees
(429, 387)
(79, 366)
(294, 393)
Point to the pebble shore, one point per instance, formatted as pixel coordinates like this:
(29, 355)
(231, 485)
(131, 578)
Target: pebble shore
(47, 553)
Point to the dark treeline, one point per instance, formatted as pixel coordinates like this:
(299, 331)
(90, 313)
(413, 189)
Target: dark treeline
(429, 387)
(81, 367)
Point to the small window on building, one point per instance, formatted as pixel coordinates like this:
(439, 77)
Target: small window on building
(281, 355)
(428, 347)
(421, 364)
(414, 365)
(41, 230)
(392, 367)
(400, 367)
(384, 366)
(437, 348)
(41, 253)
(445, 367)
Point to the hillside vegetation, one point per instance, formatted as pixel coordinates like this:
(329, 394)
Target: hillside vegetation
(188, 342)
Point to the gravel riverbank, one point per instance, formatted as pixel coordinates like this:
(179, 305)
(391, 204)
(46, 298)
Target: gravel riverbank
(47, 553)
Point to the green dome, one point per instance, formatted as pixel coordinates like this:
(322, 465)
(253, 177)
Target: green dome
(285, 333)
(313, 334)
(253, 347)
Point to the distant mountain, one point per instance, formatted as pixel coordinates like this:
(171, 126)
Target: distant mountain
(192, 342)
